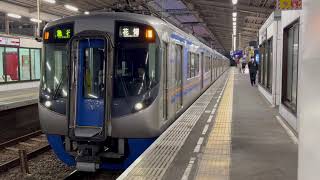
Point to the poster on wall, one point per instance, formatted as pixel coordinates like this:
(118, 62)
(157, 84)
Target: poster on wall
(9, 41)
(289, 4)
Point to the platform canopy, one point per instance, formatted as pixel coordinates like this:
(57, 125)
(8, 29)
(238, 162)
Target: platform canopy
(209, 20)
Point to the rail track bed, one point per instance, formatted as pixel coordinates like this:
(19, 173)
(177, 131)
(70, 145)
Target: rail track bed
(33, 144)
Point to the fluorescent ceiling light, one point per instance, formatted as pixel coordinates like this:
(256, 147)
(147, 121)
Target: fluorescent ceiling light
(14, 15)
(50, 1)
(72, 8)
(234, 19)
(36, 20)
(234, 23)
(234, 14)
(234, 2)
(86, 12)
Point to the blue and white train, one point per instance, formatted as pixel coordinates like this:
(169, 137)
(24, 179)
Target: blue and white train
(113, 82)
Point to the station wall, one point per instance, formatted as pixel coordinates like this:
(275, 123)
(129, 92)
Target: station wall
(274, 29)
(19, 62)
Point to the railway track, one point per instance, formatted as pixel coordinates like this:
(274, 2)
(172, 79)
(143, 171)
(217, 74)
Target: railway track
(105, 175)
(34, 144)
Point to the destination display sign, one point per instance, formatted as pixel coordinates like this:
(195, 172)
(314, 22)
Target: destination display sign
(129, 31)
(58, 34)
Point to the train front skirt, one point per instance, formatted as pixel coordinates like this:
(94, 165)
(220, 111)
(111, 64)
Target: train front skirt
(136, 148)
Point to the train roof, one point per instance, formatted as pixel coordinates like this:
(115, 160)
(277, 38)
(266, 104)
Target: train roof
(158, 24)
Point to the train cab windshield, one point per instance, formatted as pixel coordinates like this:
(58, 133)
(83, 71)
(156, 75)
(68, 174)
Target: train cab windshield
(135, 69)
(55, 71)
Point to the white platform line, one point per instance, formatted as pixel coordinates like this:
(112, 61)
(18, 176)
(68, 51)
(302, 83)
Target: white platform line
(186, 173)
(205, 129)
(209, 119)
(197, 148)
(213, 111)
(288, 130)
(200, 140)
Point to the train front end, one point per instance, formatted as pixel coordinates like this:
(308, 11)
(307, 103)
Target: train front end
(99, 90)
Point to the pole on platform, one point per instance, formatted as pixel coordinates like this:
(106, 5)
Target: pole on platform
(38, 12)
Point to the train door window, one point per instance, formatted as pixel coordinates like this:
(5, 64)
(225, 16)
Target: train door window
(94, 76)
(2, 75)
(290, 66)
(165, 81)
(178, 75)
(265, 64)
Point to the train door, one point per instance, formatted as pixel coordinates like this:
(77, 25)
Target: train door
(89, 87)
(165, 81)
(202, 70)
(178, 77)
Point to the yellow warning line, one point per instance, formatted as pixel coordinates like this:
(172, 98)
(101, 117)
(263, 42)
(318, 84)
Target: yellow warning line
(214, 164)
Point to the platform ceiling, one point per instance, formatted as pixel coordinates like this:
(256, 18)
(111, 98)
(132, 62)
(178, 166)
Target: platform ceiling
(209, 20)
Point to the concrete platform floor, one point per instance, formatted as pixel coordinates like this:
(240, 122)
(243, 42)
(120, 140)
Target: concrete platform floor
(18, 98)
(237, 137)
(261, 149)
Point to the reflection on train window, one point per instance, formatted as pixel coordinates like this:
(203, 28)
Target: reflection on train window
(136, 69)
(94, 73)
(55, 70)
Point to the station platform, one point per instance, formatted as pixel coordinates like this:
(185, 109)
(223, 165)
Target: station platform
(18, 98)
(230, 132)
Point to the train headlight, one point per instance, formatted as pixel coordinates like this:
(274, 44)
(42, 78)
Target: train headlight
(138, 106)
(48, 103)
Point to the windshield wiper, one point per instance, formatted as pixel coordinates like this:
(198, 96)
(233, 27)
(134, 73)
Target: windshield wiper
(58, 88)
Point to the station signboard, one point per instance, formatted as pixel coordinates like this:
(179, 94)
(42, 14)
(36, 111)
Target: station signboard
(9, 41)
(289, 4)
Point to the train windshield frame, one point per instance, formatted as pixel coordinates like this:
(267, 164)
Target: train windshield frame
(136, 62)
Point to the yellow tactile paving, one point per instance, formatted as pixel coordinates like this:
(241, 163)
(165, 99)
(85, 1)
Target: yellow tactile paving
(214, 162)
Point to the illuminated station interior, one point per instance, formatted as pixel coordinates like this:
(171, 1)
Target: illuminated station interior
(159, 89)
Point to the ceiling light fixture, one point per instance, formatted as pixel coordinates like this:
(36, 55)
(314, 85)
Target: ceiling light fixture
(234, 19)
(72, 8)
(36, 20)
(234, 14)
(14, 15)
(50, 1)
(234, 23)
(234, 2)
(86, 12)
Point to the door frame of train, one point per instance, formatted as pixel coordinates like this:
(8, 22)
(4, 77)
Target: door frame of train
(73, 83)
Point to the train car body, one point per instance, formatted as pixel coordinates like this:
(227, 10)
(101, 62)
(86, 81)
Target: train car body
(113, 82)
